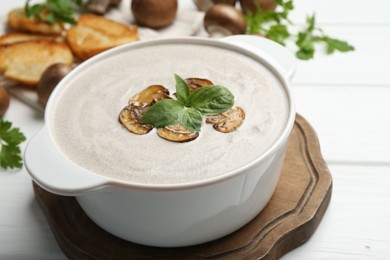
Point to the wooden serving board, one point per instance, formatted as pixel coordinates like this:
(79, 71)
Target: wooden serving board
(289, 219)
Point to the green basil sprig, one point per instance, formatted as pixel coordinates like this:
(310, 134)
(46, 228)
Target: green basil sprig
(189, 108)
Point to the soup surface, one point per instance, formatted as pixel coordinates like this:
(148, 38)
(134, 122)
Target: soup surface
(86, 129)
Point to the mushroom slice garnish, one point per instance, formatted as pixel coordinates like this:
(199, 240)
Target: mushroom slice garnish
(130, 118)
(195, 83)
(150, 95)
(228, 121)
(177, 133)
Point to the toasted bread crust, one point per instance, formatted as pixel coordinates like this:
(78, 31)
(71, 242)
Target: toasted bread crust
(25, 62)
(14, 37)
(18, 21)
(94, 34)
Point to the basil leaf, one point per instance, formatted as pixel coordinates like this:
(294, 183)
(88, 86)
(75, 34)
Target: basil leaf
(191, 119)
(182, 90)
(163, 113)
(211, 100)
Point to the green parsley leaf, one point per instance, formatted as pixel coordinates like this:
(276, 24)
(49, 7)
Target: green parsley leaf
(306, 47)
(191, 119)
(211, 100)
(311, 35)
(53, 11)
(182, 90)
(273, 24)
(270, 23)
(163, 113)
(335, 44)
(10, 138)
(278, 33)
(34, 10)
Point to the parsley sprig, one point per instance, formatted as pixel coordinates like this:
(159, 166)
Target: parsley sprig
(190, 107)
(311, 35)
(10, 139)
(53, 11)
(273, 24)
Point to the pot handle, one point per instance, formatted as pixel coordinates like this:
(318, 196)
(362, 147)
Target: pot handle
(56, 174)
(280, 57)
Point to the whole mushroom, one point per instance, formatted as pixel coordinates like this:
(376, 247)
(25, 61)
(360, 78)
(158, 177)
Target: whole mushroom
(49, 80)
(222, 20)
(4, 100)
(252, 5)
(204, 5)
(154, 13)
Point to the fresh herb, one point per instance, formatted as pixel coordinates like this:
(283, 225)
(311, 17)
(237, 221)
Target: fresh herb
(189, 108)
(10, 139)
(211, 100)
(273, 24)
(311, 35)
(182, 90)
(53, 11)
(163, 113)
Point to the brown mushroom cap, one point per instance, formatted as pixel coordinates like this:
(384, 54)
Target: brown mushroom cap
(252, 5)
(223, 20)
(154, 13)
(49, 80)
(204, 5)
(4, 101)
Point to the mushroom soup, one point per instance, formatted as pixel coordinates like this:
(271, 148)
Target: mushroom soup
(86, 128)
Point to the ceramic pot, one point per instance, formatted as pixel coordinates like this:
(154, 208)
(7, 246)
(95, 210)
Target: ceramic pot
(167, 215)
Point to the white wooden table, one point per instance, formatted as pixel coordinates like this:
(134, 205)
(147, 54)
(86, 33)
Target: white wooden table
(346, 98)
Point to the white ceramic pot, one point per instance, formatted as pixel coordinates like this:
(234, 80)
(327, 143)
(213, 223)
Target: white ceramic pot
(178, 214)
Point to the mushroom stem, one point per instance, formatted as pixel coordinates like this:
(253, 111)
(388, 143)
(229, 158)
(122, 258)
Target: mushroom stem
(98, 6)
(216, 31)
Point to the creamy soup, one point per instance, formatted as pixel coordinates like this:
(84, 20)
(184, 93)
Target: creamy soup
(86, 129)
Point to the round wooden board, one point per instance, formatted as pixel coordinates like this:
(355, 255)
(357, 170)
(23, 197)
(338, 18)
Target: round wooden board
(289, 219)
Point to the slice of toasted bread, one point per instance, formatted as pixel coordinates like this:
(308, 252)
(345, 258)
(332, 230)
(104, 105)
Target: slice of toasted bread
(14, 37)
(26, 61)
(18, 21)
(94, 34)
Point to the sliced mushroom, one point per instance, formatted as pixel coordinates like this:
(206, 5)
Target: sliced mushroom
(228, 121)
(195, 83)
(150, 95)
(177, 133)
(130, 118)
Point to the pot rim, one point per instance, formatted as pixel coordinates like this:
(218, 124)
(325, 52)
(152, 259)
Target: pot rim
(109, 181)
